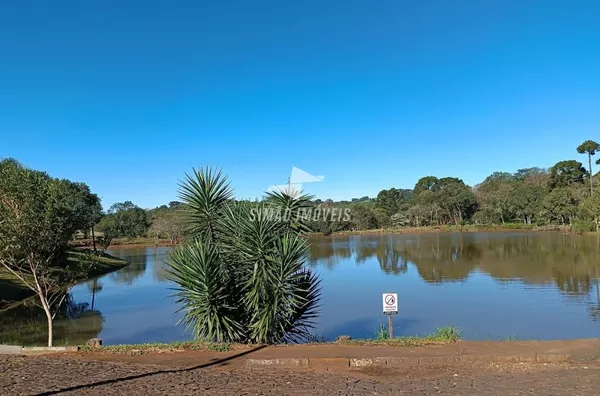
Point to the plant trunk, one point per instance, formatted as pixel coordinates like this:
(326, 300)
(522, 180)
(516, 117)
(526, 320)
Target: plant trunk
(50, 324)
(93, 239)
(591, 174)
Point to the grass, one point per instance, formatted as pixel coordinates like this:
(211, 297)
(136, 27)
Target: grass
(12, 289)
(104, 262)
(140, 349)
(446, 333)
(441, 335)
(382, 333)
(124, 242)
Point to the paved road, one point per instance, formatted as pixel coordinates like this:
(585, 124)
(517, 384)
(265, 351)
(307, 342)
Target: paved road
(52, 376)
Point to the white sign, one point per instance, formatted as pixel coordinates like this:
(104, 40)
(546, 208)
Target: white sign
(390, 303)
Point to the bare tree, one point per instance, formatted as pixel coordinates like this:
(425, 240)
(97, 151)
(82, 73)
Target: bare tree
(168, 224)
(51, 284)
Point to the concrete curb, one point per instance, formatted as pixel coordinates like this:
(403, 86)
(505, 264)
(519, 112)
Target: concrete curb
(11, 350)
(403, 361)
(34, 351)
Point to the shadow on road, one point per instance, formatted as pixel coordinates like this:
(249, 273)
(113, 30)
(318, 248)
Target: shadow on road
(132, 377)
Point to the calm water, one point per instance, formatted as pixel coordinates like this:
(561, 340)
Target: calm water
(491, 285)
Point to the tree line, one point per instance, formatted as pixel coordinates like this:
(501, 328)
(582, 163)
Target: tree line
(562, 195)
(127, 220)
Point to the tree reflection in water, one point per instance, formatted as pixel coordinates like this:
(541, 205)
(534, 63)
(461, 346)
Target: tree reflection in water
(135, 269)
(95, 286)
(570, 262)
(26, 324)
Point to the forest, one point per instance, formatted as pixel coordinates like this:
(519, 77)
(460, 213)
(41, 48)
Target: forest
(563, 195)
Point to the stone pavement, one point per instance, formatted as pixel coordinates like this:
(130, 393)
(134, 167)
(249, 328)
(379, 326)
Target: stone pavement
(21, 375)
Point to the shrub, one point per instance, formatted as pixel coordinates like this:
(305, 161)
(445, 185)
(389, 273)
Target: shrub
(242, 278)
(584, 226)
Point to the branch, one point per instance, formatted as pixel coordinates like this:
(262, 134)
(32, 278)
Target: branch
(60, 303)
(18, 275)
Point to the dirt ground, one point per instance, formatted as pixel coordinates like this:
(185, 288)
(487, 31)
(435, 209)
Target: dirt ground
(84, 374)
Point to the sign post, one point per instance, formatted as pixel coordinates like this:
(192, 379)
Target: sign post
(390, 307)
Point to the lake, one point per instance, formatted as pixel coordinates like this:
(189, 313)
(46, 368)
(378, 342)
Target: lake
(491, 285)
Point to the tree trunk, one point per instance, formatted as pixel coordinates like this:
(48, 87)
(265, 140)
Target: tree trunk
(591, 174)
(93, 239)
(50, 323)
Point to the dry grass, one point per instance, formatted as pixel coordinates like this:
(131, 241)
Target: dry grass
(140, 349)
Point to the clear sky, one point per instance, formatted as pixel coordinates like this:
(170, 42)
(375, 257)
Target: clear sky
(128, 95)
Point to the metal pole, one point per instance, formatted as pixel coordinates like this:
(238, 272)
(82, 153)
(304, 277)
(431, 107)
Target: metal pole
(390, 327)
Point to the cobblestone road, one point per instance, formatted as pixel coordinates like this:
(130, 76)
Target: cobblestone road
(51, 376)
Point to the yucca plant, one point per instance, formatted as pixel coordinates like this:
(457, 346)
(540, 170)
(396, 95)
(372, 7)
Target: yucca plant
(241, 276)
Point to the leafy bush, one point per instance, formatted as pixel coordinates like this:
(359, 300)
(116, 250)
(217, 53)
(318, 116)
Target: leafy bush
(242, 278)
(584, 226)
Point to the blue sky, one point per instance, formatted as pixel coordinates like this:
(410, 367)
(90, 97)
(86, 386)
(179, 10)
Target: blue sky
(128, 95)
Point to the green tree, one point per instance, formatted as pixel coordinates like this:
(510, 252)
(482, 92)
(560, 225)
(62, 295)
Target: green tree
(38, 216)
(562, 204)
(494, 195)
(124, 219)
(418, 215)
(241, 277)
(391, 200)
(427, 183)
(400, 220)
(590, 209)
(363, 217)
(530, 173)
(566, 173)
(589, 147)
(456, 199)
(525, 201)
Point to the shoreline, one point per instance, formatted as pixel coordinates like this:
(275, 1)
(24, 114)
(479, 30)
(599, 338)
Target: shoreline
(140, 243)
(106, 264)
(135, 243)
(448, 230)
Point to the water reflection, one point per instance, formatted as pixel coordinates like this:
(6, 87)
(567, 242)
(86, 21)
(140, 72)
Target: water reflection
(565, 260)
(135, 269)
(26, 324)
(94, 286)
(491, 285)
